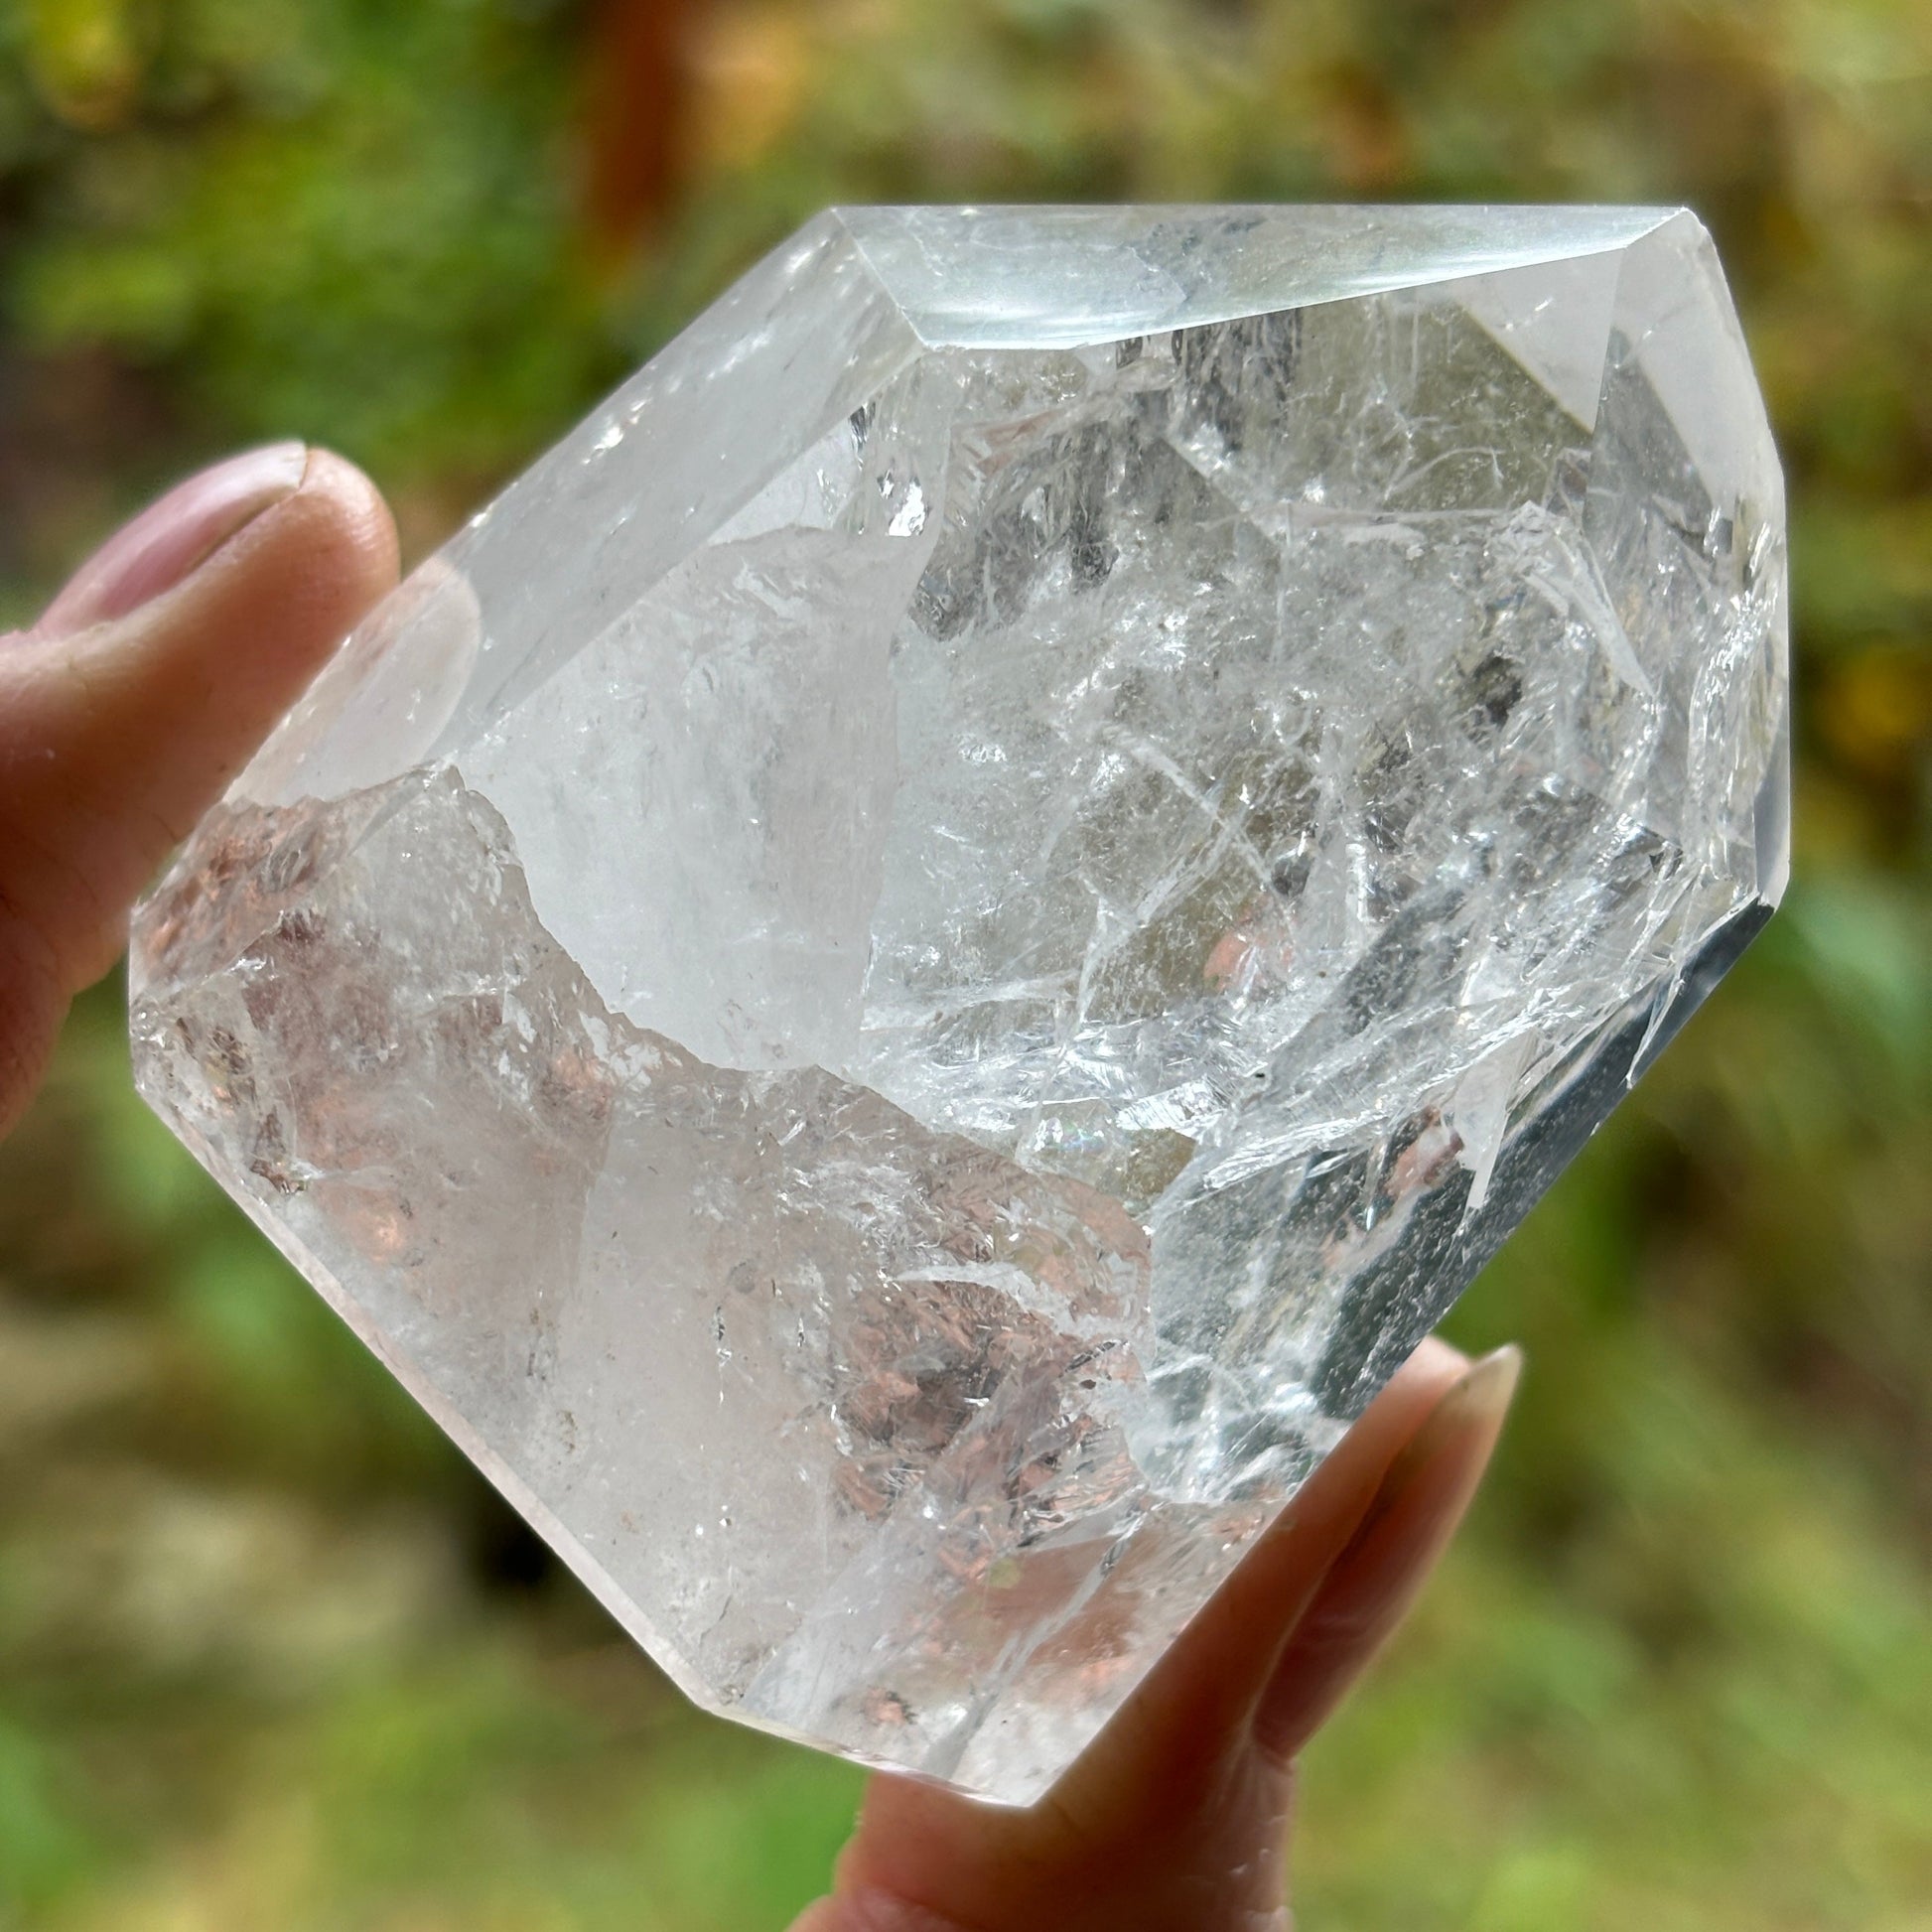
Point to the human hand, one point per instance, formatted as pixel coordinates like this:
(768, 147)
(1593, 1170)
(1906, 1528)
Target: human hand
(123, 713)
(1175, 1818)
(143, 689)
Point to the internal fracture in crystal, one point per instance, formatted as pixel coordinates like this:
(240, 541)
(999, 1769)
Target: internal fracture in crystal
(900, 981)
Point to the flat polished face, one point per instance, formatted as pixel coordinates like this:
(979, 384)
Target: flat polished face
(897, 983)
(1065, 277)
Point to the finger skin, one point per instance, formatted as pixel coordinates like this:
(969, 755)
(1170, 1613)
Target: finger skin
(114, 740)
(1174, 1818)
(1373, 1583)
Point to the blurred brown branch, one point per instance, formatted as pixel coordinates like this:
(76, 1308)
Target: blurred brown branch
(637, 69)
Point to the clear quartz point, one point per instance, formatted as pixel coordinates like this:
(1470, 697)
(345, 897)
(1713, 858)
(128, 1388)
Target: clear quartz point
(901, 980)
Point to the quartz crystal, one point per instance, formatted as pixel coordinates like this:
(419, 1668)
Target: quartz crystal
(897, 983)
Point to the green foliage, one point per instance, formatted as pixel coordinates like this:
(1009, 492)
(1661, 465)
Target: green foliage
(348, 222)
(270, 1654)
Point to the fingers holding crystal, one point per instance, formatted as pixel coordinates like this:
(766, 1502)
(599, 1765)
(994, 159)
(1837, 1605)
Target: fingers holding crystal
(1177, 1813)
(1372, 1583)
(1173, 1734)
(142, 690)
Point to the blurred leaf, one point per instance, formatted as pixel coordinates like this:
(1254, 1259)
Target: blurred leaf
(87, 58)
(44, 1847)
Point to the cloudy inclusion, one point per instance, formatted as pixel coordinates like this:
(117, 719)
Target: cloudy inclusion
(898, 983)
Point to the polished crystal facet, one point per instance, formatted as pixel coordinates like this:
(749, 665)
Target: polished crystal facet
(900, 981)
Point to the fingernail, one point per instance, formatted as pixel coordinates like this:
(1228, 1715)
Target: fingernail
(170, 540)
(1474, 1404)
(1480, 1395)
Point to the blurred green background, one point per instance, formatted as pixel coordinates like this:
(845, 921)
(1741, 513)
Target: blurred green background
(271, 1656)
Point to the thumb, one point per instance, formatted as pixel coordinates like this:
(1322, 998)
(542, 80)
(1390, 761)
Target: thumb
(143, 689)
